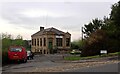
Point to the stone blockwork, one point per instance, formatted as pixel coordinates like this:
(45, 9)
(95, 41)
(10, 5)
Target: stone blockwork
(50, 40)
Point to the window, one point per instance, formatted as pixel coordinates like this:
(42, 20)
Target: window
(16, 49)
(40, 51)
(35, 42)
(44, 41)
(40, 41)
(44, 51)
(59, 41)
(32, 41)
(67, 41)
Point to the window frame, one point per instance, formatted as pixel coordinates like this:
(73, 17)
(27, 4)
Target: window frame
(59, 42)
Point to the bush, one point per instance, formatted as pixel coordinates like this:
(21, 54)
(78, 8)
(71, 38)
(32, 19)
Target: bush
(95, 43)
(4, 57)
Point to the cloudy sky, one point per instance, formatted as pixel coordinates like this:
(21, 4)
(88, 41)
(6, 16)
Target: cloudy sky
(25, 17)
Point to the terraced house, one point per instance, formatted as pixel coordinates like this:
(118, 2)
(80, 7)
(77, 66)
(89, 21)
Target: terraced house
(50, 40)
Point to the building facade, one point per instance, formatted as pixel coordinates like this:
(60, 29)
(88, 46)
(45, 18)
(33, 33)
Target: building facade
(50, 40)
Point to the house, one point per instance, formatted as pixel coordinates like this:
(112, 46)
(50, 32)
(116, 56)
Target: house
(49, 40)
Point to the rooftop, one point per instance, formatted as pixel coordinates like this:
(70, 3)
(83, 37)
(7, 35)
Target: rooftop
(56, 31)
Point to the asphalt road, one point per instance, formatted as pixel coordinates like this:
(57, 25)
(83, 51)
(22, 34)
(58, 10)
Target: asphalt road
(48, 61)
(39, 61)
(103, 68)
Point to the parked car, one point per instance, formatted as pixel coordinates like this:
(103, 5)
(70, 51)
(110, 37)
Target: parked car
(75, 52)
(17, 53)
(29, 55)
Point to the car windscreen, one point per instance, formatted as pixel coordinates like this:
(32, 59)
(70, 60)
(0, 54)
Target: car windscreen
(16, 49)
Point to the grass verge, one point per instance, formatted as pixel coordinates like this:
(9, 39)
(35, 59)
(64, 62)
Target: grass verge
(73, 58)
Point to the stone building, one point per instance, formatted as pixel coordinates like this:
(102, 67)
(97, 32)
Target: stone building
(50, 40)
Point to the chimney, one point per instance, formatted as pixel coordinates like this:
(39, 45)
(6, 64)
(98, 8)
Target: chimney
(41, 28)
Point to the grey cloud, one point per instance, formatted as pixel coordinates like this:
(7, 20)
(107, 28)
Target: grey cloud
(80, 13)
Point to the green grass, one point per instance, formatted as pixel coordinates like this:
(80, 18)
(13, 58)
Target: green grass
(90, 57)
(112, 54)
(119, 53)
(73, 58)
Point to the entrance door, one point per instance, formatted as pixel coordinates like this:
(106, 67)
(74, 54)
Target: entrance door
(50, 45)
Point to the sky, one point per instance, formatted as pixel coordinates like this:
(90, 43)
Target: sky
(24, 17)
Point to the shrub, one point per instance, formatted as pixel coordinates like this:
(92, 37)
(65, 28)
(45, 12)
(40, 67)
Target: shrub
(95, 43)
(4, 57)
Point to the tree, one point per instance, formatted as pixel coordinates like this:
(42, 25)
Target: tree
(92, 27)
(8, 36)
(78, 44)
(74, 45)
(18, 42)
(115, 19)
(26, 44)
(96, 42)
(103, 34)
(19, 37)
(115, 14)
(115, 24)
(6, 41)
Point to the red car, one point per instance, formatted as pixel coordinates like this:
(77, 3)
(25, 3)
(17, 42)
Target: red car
(17, 53)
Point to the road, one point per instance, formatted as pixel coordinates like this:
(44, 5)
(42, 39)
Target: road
(39, 61)
(103, 68)
(52, 63)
